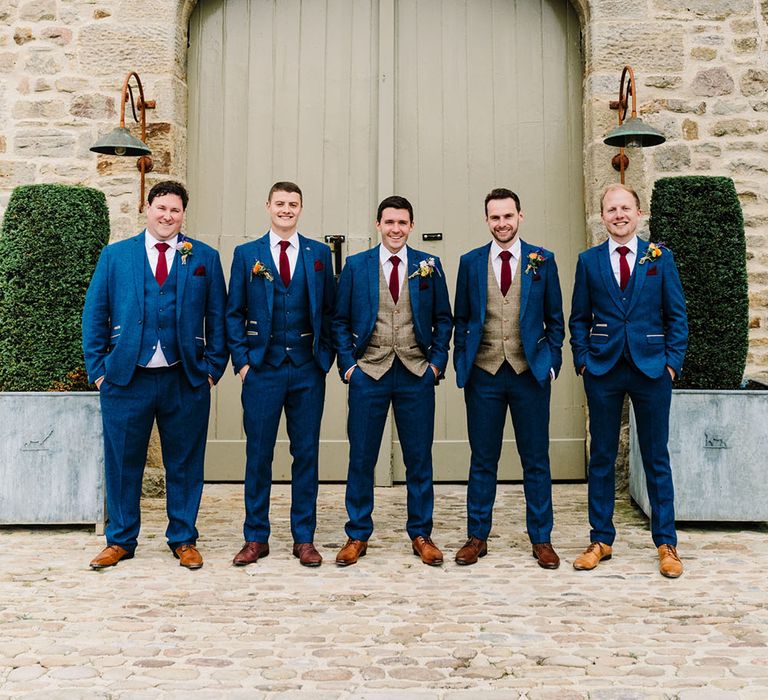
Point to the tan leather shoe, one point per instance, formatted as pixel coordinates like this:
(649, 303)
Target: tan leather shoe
(669, 563)
(425, 548)
(351, 552)
(307, 554)
(592, 556)
(545, 555)
(188, 556)
(250, 553)
(473, 549)
(109, 556)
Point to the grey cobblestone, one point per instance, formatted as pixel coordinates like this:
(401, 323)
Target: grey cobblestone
(388, 627)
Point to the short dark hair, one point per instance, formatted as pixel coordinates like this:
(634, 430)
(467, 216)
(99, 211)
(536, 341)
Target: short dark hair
(502, 193)
(169, 187)
(285, 187)
(394, 202)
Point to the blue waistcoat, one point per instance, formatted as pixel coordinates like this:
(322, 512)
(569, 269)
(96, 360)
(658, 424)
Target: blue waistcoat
(291, 337)
(159, 316)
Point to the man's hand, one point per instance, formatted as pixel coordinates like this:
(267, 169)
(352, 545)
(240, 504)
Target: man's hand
(582, 370)
(210, 381)
(243, 371)
(435, 370)
(348, 373)
(99, 381)
(671, 372)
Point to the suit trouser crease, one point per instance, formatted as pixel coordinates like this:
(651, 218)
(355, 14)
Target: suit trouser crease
(651, 402)
(413, 403)
(266, 393)
(488, 398)
(128, 413)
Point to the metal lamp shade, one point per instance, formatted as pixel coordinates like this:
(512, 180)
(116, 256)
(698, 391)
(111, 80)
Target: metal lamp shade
(119, 142)
(634, 132)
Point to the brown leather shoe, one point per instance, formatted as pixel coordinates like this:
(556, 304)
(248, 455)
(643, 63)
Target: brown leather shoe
(307, 554)
(425, 548)
(188, 556)
(109, 556)
(592, 555)
(251, 553)
(473, 549)
(669, 563)
(546, 555)
(351, 552)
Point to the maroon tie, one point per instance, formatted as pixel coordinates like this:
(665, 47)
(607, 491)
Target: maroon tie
(506, 272)
(161, 271)
(285, 266)
(394, 279)
(623, 267)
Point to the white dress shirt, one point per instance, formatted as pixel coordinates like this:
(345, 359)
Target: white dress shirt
(386, 264)
(153, 255)
(496, 261)
(616, 256)
(292, 251)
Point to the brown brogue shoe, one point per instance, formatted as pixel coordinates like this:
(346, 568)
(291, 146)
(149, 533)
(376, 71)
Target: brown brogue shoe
(307, 554)
(473, 549)
(546, 555)
(425, 548)
(251, 553)
(592, 556)
(669, 563)
(351, 552)
(109, 556)
(188, 556)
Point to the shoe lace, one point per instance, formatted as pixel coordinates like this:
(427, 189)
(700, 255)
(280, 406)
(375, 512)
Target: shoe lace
(592, 547)
(669, 551)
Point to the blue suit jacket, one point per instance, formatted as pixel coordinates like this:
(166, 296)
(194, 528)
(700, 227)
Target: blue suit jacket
(114, 313)
(357, 307)
(653, 324)
(250, 302)
(542, 328)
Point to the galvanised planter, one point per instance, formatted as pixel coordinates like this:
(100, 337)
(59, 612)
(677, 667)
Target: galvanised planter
(51, 459)
(718, 446)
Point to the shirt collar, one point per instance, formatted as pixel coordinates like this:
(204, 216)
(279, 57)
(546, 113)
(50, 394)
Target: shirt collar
(631, 244)
(385, 255)
(274, 239)
(515, 249)
(150, 241)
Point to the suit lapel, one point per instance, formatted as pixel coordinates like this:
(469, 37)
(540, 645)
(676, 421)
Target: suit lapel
(413, 285)
(526, 279)
(309, 271)
(480, 271)
(264, 256)
(372, 266)
(639, 273)
(182, 274)
(606, 272)
(138, 261)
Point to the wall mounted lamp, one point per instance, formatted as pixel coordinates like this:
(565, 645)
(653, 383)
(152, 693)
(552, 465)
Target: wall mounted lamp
(119, 141)
(632, 133)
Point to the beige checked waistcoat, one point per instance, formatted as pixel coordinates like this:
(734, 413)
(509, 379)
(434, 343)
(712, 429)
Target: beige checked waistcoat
(393, 335)
(501, 330)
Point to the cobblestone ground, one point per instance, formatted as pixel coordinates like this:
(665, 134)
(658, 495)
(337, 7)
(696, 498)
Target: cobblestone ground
(388, 627)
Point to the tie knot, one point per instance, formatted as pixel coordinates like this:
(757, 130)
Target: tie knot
(505, 255)
(395, 260)
(162, 247)
(622, 250)
(284, 245)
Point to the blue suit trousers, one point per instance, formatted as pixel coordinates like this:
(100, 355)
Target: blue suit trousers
(651, 400)
(487, 398)
(128, 413)
(413, 402)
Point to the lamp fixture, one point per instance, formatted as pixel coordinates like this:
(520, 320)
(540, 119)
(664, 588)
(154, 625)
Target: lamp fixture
(632, 133)
(120, 142)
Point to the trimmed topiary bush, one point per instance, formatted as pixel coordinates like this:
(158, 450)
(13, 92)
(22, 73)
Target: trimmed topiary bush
(50, 242)
(699, 218)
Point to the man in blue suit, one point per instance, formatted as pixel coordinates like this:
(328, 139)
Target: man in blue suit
(508, 340)
(392, 330)
(279, 312)
(155, 344)
(629, 333)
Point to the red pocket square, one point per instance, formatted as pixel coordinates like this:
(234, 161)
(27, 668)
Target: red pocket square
(200, 271)
(423, 284)
(651, 272)
(318, 266)
(536, 277)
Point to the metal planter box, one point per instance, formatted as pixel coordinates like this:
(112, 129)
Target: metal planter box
(51, 459)
(718, 446)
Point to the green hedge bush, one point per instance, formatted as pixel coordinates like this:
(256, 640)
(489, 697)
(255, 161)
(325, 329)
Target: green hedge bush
(699, 218)
(50, 242)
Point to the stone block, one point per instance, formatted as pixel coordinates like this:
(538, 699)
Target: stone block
(705, 9)
(44, 63)
(663, 82)
(710, 149)
(8, 10)
(744, 26)
(690, 130)
(703, 53)
(38, 109)
(23, 35)
(15, 172)
(7, 62)
(745, 44)
(730, 106)
(61, 36)
(619, 10)
(712, 82)
(653, 46)
(100, 13)
(106, 49)
(71, 83)
(737, 127)
(38, 10)
(3, 145)
(754, 82)
(672, 158)
(93, 106)
(44, 142)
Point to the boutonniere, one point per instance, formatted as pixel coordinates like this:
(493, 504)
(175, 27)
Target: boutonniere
(184, 246)
(319, 266)
(535, 260)
(259, 269)
(653, 253)
(426, 268)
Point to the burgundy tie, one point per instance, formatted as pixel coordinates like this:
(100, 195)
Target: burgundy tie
(161, 271)
(394, 279)
(506, 272)
(623, 267)
(285, 266)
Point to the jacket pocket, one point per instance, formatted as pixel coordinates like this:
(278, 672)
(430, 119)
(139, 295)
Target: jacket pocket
(655, 338)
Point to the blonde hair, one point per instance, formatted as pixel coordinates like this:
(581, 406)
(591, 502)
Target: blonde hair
(623, 188)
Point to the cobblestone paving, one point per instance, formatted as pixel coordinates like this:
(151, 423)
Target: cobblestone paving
(388, 627)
